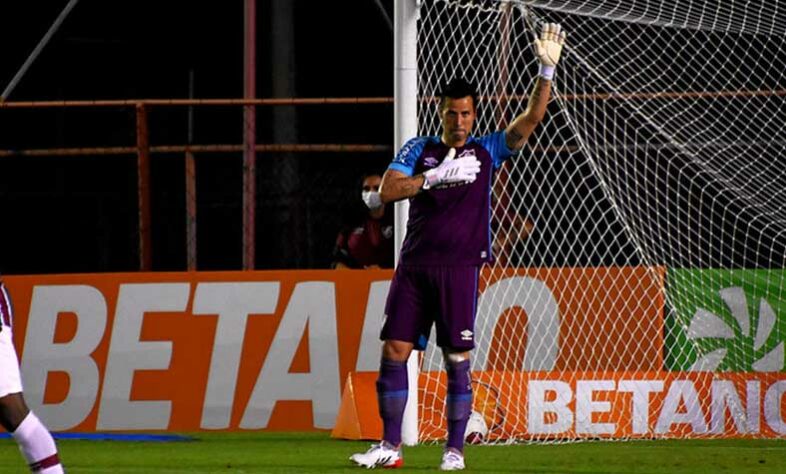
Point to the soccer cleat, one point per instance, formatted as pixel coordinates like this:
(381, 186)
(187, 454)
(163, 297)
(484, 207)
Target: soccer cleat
(452, 461)
(380, 455)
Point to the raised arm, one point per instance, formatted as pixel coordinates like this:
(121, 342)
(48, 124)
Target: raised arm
(524, 124)
(548, 48)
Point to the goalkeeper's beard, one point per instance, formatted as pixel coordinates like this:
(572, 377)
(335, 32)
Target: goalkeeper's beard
(456, 137)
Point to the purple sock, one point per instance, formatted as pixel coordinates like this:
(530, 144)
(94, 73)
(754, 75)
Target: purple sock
(459, 403)
(392, 390)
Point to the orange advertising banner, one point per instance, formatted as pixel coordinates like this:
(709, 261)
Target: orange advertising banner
(590, 404)
(193, 351)
(272, 349)
(613, 317)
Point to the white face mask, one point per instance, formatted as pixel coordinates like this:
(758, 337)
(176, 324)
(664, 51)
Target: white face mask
(372, 199)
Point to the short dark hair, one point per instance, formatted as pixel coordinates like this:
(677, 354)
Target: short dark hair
(367, 175)
(458, 88)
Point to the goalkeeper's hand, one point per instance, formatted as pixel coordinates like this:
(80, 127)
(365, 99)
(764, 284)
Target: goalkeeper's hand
(549, 48)
(452, 170)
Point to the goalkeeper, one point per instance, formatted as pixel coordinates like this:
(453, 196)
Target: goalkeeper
(448, 181)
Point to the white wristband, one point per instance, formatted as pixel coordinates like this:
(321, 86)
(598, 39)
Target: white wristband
(546, 72)
(428, 180)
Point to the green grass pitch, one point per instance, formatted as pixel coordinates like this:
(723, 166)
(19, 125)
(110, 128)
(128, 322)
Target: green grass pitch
(235, 453)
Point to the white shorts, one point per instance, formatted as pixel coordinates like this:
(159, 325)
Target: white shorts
(10, 379)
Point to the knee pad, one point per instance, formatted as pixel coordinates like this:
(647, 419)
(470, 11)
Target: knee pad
(453, 358)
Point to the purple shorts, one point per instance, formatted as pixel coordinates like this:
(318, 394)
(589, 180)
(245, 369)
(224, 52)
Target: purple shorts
(444, 296)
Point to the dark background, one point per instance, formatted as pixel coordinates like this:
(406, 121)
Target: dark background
(79, 214)
(707, 208)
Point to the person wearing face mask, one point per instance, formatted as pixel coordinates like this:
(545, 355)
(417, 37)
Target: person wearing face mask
(367, 239)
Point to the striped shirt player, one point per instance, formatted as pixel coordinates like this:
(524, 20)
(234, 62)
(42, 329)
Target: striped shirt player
(35, 442)
(448, 182)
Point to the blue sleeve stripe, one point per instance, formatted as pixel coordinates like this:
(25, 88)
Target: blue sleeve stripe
(395, 394)
(502, 151)
(407, 157)
(407, 170)
(459, 397)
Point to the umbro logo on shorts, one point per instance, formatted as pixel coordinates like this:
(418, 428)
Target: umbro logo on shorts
(466, 335)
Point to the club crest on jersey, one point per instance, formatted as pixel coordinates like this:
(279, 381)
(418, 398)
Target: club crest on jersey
(466, 335)
(430, 162)
(468, 152)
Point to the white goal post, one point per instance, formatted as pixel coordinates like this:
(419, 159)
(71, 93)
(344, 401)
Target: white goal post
(406, 126)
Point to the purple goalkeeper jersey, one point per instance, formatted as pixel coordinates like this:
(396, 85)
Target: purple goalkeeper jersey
(450, 225)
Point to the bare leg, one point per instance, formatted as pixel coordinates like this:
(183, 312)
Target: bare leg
(36, 443)
(13, 410)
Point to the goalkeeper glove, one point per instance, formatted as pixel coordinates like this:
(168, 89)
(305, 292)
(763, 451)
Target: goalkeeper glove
(452, 171)
(549, 47)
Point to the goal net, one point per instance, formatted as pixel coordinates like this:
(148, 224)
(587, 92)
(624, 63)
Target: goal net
(638, 290)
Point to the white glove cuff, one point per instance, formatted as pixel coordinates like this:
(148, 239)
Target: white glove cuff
(546, 72)
(429, 179)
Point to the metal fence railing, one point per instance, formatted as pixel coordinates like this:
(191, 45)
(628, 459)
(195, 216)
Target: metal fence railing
(138, 201)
